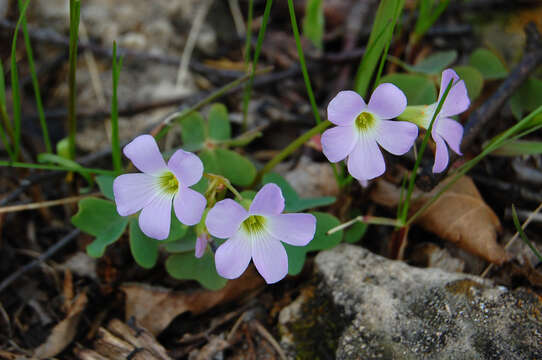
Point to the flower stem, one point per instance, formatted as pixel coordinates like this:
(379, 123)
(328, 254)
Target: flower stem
(294, 145)
(115, 141)
(303, 63)
(414, 173)
(75, 10)
(257, 50)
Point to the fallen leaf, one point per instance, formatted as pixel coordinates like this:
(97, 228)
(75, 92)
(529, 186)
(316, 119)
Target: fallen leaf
(155, 307)
(64, 332)
(460, 216)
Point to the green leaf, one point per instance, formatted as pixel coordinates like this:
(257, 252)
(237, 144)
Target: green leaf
(527, 98)
(59, 160)
(63, 148)
(105, 183)
(177, 229)
(143, 248)
(435, 63)
(474, 80)
(418, 89)
(313, 23)
(193, 132)
(185, 243)
(519, 147)
(293, 203)
(186, 266)
(239, 170)
(99, 218)
(219, 123)
(489, 65)
(321, 241)
(355, 232)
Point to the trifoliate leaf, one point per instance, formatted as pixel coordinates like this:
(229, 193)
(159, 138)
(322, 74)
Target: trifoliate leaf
(143, 248)
(186, 266)
(418, 89)
(219, 123)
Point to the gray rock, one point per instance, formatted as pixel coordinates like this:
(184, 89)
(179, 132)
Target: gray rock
(363, 306)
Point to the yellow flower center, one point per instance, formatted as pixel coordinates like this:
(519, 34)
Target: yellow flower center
(168, 182)
(254, 224)
(365, 121)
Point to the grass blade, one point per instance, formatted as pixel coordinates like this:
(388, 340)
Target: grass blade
(522, 234)
(115, 141)
(75, 12)
(15, 84)
(388, 12)
(303, 63)
(257, 50)
(35, 83)
(5, 117)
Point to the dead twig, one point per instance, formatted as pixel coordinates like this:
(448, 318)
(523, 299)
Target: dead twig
(43, 257)
(267, 336)
(44, 204)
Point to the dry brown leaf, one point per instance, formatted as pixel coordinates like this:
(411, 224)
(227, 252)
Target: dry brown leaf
(64, 332)
(155, 307)
(460, 216)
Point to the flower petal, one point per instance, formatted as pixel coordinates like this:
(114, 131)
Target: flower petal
(268, 201)
(344, 107)
(294, 229)
(186, 166)
(397, 137)
(387, 101)
(366, 161)
(145, 155)
(452, 132)
(457, 99)
(224, 219)
(338, 142)
(233, 257)
(201, 244)
(133, 192)
(441, 155)
(270, 258)
(189, 205)
(155, 218)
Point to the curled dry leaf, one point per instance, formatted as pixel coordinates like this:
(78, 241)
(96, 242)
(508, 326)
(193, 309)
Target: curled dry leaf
(155, 307)
(64, 332)
(460, 216)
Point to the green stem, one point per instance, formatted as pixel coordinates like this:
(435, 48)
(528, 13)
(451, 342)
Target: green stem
(303, 63)
(414, 172)
(522, 234)
(261, 34)
(115, 140)
(386, 49)
(35, 84)
(499, 141)
(75, 10)
(15, 84)
(56, 167)
(294, 145)
(248, 34)
(213, 96)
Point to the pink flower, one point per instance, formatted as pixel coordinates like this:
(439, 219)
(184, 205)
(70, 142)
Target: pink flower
(160, 185)
(257, 234)
(201, 244)
(362, 127)
(445, 128)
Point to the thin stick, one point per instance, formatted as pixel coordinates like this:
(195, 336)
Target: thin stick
(43, 257)
(267, 336)
(44, 204)
(513, 238)
(191, 41)
(237, 17)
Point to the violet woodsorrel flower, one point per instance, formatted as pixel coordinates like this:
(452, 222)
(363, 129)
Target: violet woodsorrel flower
(158, 186)
(257, 234)
(444, 128)
(362, 127)
(201, 244)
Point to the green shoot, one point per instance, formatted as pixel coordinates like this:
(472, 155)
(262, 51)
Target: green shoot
(248, 34)
(302, 63)
(75, 12)
(15, 84)
(397, 12)
(115, 141)
(35, 84)
(522, 234)
(257, 50)
(4, 116)
(427, 17)
(56, 167)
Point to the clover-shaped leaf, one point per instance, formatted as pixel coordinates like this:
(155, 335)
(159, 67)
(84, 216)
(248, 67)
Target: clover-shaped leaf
(218, 123)
(99, 217)
(143, 248)
(186, 266)
(418, 89)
